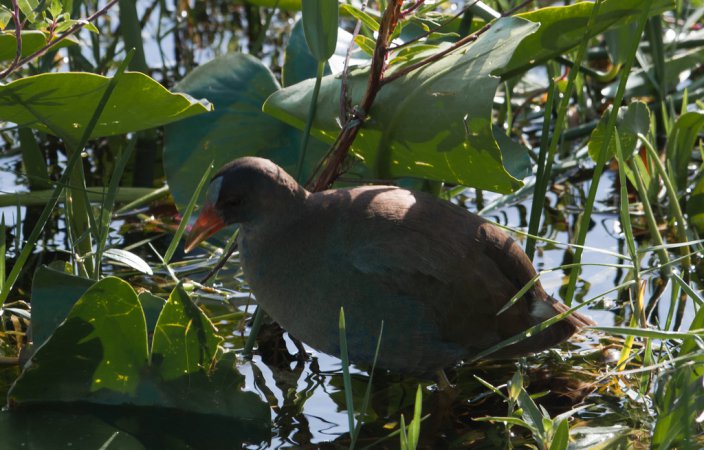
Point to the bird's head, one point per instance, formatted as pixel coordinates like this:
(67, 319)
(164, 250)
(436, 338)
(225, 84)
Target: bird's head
(244, 191)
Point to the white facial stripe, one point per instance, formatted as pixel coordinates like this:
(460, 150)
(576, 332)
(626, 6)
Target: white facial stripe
(213, 193)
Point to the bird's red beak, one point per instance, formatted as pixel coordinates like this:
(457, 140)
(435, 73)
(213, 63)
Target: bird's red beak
(208, 223)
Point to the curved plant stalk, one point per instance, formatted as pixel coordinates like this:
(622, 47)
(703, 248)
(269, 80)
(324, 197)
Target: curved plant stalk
(626, 227)
(149, 196)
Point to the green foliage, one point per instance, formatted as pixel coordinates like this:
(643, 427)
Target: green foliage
(394, 145)
(435, 123)
(631, 121)
(562, 28)
(32, 40)
(99, 355)
(63, 103)
(320, 27)
(410, 436)
(548, 432)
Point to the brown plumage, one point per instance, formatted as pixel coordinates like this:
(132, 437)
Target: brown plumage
(435, 273)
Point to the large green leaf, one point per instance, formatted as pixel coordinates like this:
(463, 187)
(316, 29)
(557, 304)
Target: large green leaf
(434, 123)
(99, 356)
(564, 27)
(237, 84)
(63, 103)
(184, 339)
(99, 351)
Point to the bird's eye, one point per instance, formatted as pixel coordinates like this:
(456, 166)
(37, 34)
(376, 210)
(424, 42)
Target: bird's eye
(233, 202)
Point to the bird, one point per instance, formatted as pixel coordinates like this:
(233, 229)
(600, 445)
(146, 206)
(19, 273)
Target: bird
(437, 276)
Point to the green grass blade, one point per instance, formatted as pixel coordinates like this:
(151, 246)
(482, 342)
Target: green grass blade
(543, 325)
(187, 215)
(107, 206)
(414, 426)
(347, 379)
(674, 204)
(33, 160)
(624, 213)
(403, 436)
(309, 121)
(561, 439)
(652, 333)
(36, 231)
(78, 208)
(537, 204)
(368, 391)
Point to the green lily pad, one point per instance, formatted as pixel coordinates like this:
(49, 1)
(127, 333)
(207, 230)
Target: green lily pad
(63, 103)
(433, 123)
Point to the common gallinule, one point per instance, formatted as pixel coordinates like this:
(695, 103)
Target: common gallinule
(436, 274)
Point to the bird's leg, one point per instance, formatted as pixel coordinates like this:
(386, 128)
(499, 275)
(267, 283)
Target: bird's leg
(443, 383)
